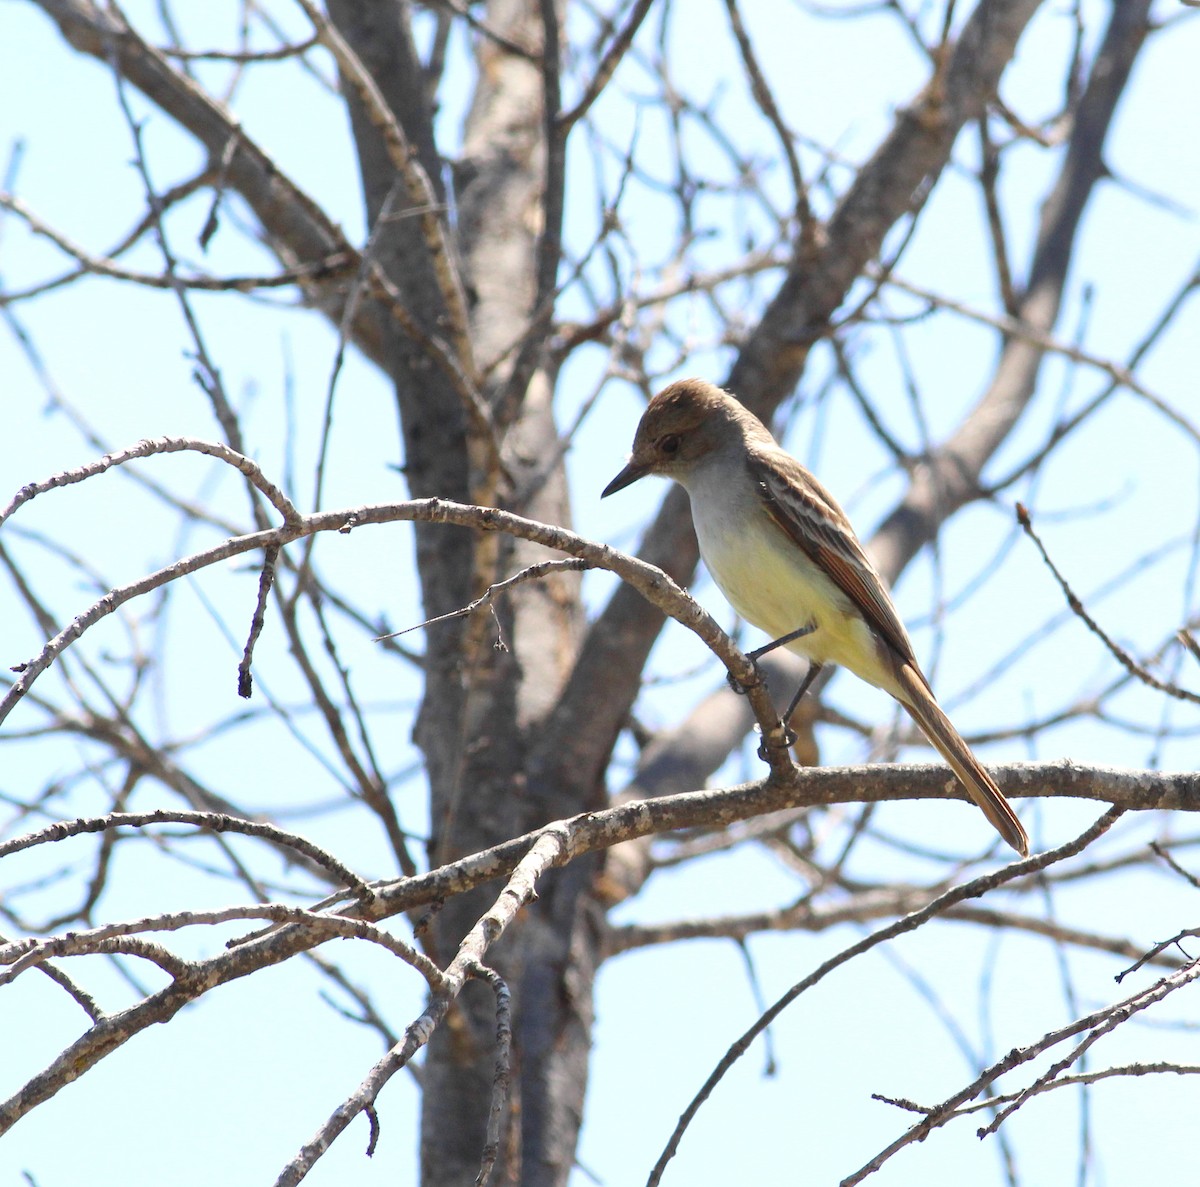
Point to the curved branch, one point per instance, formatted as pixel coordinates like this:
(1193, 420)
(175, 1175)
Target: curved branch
(650, 583)
(149, 448)
(217, 822)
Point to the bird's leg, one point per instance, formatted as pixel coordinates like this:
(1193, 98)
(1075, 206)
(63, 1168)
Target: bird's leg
(814, 669)
(783, 640)
(789, 734)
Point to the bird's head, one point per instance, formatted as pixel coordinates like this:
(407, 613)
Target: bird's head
(686, 422)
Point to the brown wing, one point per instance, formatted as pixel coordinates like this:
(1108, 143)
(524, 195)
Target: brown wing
(812, 519)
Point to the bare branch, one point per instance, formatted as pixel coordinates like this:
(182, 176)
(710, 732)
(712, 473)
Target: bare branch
(529, 573)
(24, 954)
(1119, 653)
(607, 67)
(500, 1083)
(649, 581)
(149, 448)
(216, 822)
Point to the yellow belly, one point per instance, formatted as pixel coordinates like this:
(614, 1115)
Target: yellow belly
(772, 584)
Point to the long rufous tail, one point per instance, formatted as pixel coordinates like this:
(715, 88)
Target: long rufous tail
(937, 727)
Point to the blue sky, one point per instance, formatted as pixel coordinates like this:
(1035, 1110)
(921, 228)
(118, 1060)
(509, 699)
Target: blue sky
(230, 1089)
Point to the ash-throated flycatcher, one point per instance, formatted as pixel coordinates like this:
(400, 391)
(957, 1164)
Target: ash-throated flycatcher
(784, 554)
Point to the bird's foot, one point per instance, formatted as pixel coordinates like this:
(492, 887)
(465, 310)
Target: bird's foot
(786, 739)
(742, 689)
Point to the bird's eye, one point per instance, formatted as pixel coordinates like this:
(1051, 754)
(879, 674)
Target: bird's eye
(669, 444)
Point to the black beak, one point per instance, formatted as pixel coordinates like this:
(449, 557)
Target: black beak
(627, 477)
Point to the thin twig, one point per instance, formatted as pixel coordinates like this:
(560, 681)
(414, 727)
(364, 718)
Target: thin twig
(20, 955)
(216, 822)
(266, 579)
(1119, 653)
(531, 573)
(502, 1077)
(1101, 1023)
(332, 265)
(607, 67)
(241, 57)
(150, 448)
(1186, 639)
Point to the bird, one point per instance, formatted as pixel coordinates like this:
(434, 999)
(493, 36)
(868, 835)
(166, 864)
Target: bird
(786, 557)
